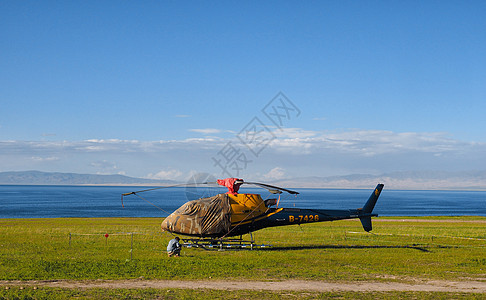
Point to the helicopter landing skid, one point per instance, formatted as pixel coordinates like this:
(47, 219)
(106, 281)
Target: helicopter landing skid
(220, 244)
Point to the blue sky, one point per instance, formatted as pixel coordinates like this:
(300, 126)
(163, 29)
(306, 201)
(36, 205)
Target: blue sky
(158, 88)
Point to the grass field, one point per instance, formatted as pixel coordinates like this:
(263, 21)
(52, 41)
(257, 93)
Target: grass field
(55, 293)
(451, 248)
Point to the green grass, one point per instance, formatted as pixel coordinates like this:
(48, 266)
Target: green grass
(39, 249)
(57, 293)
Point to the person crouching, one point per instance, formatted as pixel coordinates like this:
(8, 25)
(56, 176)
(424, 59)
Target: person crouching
(174, 248)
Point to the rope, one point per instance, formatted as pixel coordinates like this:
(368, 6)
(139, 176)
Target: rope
(150, 203)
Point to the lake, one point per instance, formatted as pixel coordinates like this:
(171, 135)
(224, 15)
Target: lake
(20, 201)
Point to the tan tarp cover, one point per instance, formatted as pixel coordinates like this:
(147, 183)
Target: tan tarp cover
(203, 217)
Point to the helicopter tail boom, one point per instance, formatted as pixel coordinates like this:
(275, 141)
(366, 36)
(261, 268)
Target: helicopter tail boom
(290, 216)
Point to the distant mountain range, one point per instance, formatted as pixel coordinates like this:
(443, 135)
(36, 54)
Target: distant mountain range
(56, 178)
(410, 180)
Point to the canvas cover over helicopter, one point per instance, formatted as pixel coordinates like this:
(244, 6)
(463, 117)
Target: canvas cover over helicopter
(233, 214)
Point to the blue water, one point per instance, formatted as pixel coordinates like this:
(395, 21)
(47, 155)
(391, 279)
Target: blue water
(88, 201)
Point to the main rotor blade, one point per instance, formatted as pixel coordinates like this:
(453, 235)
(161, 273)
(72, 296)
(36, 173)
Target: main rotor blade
(152, 189)
(272, 187)
(166, 186)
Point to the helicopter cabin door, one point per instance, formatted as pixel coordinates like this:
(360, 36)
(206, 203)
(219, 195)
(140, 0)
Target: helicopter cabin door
(246, 207)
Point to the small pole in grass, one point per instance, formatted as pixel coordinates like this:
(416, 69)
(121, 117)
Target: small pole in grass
(70, 239)
(131, 248)
(106, 238)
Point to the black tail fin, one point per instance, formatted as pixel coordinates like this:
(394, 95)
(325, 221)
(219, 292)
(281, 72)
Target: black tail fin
(368, 208)
(366, 222)
(370, 204)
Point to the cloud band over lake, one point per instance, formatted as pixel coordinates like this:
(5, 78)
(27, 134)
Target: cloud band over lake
(294, 152)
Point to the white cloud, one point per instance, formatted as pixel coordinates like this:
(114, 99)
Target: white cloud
(170, 174)
(105, 167)
(367, 142)
(375, 142)
(182, 116)
(206, 130)
(42, 159)
(297, 150)
(106, 146)
(290, 140)
(275, 174)
(294, 133)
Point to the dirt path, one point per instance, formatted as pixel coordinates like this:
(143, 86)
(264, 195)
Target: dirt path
(289, 285)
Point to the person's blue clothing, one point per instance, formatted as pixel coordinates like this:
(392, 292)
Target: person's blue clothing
(173, 245)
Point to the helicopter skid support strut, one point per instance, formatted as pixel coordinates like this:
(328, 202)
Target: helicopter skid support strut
(220, 244)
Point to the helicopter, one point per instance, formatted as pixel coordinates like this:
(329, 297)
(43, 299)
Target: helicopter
(235, 214)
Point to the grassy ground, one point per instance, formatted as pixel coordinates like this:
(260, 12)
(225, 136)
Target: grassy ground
(437, 248)
(57, 293)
